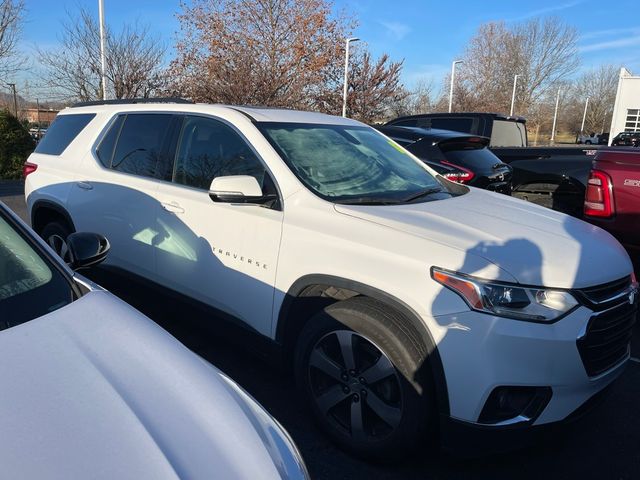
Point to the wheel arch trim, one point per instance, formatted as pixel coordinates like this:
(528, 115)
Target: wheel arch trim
(40, 205)
(285, 322)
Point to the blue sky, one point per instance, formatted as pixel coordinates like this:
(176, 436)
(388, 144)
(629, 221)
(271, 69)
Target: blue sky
(427, 34)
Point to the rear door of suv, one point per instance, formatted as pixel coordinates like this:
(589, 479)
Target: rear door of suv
(116, 188)
(223, 254)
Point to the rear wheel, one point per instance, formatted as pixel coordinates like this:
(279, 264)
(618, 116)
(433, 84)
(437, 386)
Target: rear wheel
(55, 233)
(363, 374)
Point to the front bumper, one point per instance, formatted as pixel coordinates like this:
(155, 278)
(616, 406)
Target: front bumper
(480, 352)
(466, 439)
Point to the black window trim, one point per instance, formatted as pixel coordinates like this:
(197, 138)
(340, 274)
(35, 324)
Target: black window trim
(112, 120)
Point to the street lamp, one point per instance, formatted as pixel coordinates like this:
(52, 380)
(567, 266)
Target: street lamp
(513, 94)
(555, 117)
(346, 74)
(15, 98)
(453, 73)
(584, 116)
(103, 61)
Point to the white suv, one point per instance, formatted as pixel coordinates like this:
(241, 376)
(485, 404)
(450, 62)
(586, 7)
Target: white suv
(405, 302)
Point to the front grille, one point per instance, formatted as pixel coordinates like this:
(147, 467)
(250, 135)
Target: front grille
(606, 341)
(607, 292)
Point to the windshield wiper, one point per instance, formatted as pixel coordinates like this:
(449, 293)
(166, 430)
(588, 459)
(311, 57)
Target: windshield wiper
(423, 193)
(368, 201)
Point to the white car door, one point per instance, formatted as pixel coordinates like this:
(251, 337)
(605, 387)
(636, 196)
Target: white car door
(115, 191)
(222, 254)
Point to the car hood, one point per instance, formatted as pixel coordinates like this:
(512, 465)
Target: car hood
(96, 390)
(535, 245)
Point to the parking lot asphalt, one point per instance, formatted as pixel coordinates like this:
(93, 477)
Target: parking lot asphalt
(603, 445)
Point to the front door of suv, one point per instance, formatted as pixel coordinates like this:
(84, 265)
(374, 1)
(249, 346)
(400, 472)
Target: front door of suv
(222, 254)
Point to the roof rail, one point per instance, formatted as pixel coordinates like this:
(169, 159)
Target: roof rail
(130, 101)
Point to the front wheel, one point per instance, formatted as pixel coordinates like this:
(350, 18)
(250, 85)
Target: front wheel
(365, 379)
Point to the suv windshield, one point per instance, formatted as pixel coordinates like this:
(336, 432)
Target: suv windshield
(29, 285)
(351, 164)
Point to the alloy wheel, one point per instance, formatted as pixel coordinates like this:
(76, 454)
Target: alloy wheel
(355, 386)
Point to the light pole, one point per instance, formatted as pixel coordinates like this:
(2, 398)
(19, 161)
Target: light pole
(584, 115)
(103, 61)
(15, 98)
(555, 117)
(513, 94)
(453, 74)
(346, 74)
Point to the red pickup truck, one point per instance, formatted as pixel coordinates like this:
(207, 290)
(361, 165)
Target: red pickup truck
(612, 198)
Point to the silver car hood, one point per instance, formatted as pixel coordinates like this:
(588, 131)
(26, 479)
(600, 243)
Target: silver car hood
(96, 390)
(536, 245)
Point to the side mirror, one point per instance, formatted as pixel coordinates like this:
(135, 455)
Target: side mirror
(237, 189)
(86, 249)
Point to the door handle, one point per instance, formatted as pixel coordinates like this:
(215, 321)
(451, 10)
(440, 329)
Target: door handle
(84, 185)
(172, 207)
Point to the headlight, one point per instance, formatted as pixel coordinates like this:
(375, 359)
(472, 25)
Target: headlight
(507, 300)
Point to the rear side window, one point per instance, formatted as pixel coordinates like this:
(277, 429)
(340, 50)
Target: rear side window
(62, 132)
(140, 145)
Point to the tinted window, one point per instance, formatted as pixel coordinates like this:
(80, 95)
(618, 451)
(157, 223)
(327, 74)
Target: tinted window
(476, 159)
(210, 149)
(108, 143)
(140, 147)
(406, 123)
(62, 132)
(29, 286)
(455, 124)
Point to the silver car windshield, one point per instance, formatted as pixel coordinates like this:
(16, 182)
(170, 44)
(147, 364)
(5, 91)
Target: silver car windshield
(351, 164)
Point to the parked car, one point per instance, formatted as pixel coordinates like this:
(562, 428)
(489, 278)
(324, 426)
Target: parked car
(603, 138)
(612, 199)
(554, 177)
(626, 139)
(93, 389)
(591, 139)
(405, 303)
(460, 158)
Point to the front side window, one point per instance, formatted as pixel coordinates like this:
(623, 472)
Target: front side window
(209, 149)
(348, 164)
(30, 286)
(141, 143)
(63, 130)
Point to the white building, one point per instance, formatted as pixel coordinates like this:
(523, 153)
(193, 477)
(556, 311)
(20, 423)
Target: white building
(626, 110)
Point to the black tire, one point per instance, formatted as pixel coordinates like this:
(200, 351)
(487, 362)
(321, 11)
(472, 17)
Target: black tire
(387, 351)
(588, 142)
(55, 234)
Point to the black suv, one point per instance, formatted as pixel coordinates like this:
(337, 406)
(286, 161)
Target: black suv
(626, 139)
(457, 156)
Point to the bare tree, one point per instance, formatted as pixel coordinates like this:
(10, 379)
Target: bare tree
(133, 61)
(269, 52)
(419, 99)
(11, 16)
(374, 87)
(543, 52)
(599, 84)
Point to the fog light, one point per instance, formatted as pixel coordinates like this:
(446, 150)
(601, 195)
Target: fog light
(514, 403)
